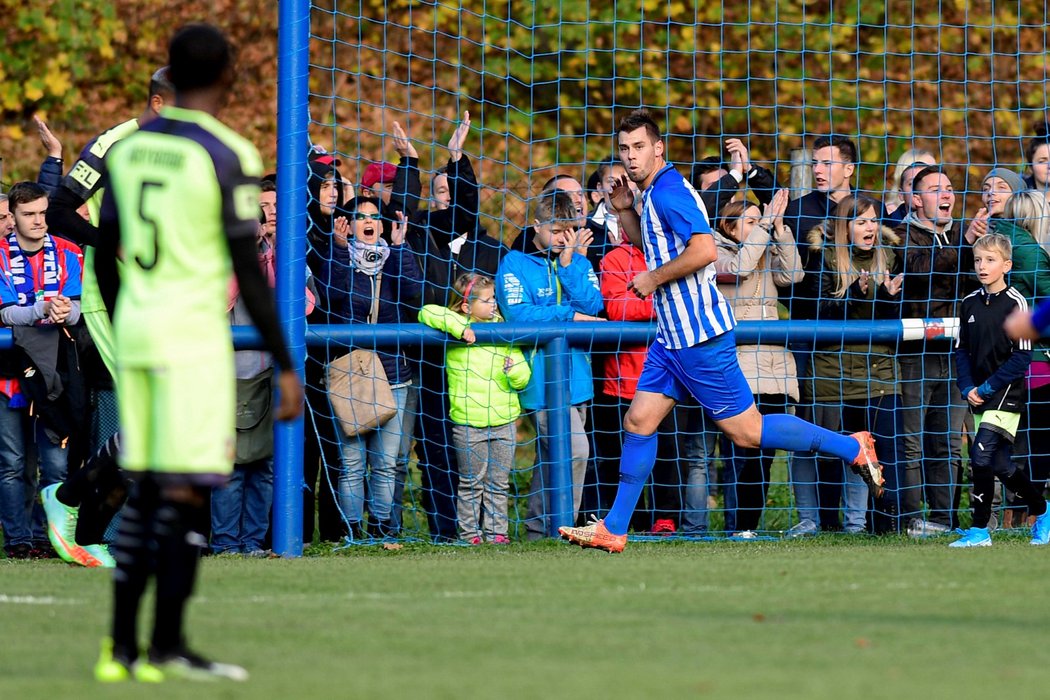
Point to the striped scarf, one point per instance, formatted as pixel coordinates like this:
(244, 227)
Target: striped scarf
(22, 273)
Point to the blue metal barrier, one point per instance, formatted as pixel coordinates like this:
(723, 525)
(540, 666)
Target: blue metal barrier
(557, 340)
(288, 462)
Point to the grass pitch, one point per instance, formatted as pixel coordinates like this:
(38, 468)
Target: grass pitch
(826, 618)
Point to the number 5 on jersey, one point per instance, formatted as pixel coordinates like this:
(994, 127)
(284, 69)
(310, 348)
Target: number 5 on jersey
(151, 224)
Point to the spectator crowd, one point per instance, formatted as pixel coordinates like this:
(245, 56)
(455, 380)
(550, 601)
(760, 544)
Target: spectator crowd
(381, 252)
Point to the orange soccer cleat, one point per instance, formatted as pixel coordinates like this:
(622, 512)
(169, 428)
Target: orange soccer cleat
(867, 463)
(595, 536)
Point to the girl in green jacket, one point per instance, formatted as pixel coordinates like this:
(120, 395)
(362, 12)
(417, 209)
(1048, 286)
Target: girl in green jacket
(483, 385)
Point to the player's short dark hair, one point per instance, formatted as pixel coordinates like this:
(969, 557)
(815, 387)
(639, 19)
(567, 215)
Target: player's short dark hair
(24, 193)
(636, 120)
(554, 205)
(847, 149)
(923, 174)
(199, 55)
(267, 186)
(160, 83)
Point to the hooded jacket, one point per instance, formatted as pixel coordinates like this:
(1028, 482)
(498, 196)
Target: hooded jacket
(319, 238)
(852, 371)
(534, 288)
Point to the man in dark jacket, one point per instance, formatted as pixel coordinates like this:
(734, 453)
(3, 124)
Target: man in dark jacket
(938, 271)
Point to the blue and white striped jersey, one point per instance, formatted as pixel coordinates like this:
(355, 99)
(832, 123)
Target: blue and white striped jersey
(689, 310)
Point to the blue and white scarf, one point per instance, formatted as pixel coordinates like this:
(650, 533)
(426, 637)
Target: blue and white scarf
(22, 272)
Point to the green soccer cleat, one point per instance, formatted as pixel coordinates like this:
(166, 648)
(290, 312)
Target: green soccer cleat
(62, 528)
(100, 553)
(110, 669)
(61, 523)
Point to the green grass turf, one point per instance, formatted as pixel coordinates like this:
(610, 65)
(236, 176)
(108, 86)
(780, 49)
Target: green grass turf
(832, 617)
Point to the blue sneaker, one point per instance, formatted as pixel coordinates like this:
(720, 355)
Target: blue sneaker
(974, 537)
(1041, 528)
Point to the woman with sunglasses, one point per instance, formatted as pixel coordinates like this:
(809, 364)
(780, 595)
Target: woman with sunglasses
(369, 278)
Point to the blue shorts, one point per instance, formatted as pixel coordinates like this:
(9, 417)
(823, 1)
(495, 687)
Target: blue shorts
(709, 371)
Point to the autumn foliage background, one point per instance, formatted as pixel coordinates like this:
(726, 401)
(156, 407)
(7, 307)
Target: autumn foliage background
(545, 82)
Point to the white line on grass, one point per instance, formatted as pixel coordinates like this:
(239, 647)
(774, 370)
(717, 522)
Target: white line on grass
(538, 592)
(37, 600)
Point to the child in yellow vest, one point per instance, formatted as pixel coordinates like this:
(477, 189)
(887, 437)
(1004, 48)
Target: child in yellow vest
(483, 385)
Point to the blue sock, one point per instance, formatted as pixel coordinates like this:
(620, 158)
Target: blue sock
(636, 462)
(781, 431)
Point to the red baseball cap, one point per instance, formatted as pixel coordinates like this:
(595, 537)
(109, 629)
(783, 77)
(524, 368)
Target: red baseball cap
(378, 172)
(328, 159)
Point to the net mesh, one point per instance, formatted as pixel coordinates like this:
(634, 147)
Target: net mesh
(545, 87)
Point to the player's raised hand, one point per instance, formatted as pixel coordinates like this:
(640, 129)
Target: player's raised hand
(402, 144)
(622, 196)
(291, 396)
(50, 141)
(459, 136)
(399, 228)
(469, 337)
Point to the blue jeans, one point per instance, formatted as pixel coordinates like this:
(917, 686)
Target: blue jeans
(698, 448)
(22, 524)
(378, 450)
(240, 510)
(404, 454)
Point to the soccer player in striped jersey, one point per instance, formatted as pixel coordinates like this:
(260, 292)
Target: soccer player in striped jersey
(695, 348)
(181, 206)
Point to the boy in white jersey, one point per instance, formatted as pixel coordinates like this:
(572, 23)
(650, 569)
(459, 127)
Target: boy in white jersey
(695, 348)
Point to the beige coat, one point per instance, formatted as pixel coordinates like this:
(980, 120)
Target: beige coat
(748, 276)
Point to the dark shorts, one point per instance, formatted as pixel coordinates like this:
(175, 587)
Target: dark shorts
(708, 371)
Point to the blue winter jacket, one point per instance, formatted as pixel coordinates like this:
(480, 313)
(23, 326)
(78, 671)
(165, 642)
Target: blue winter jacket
(534, 288)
